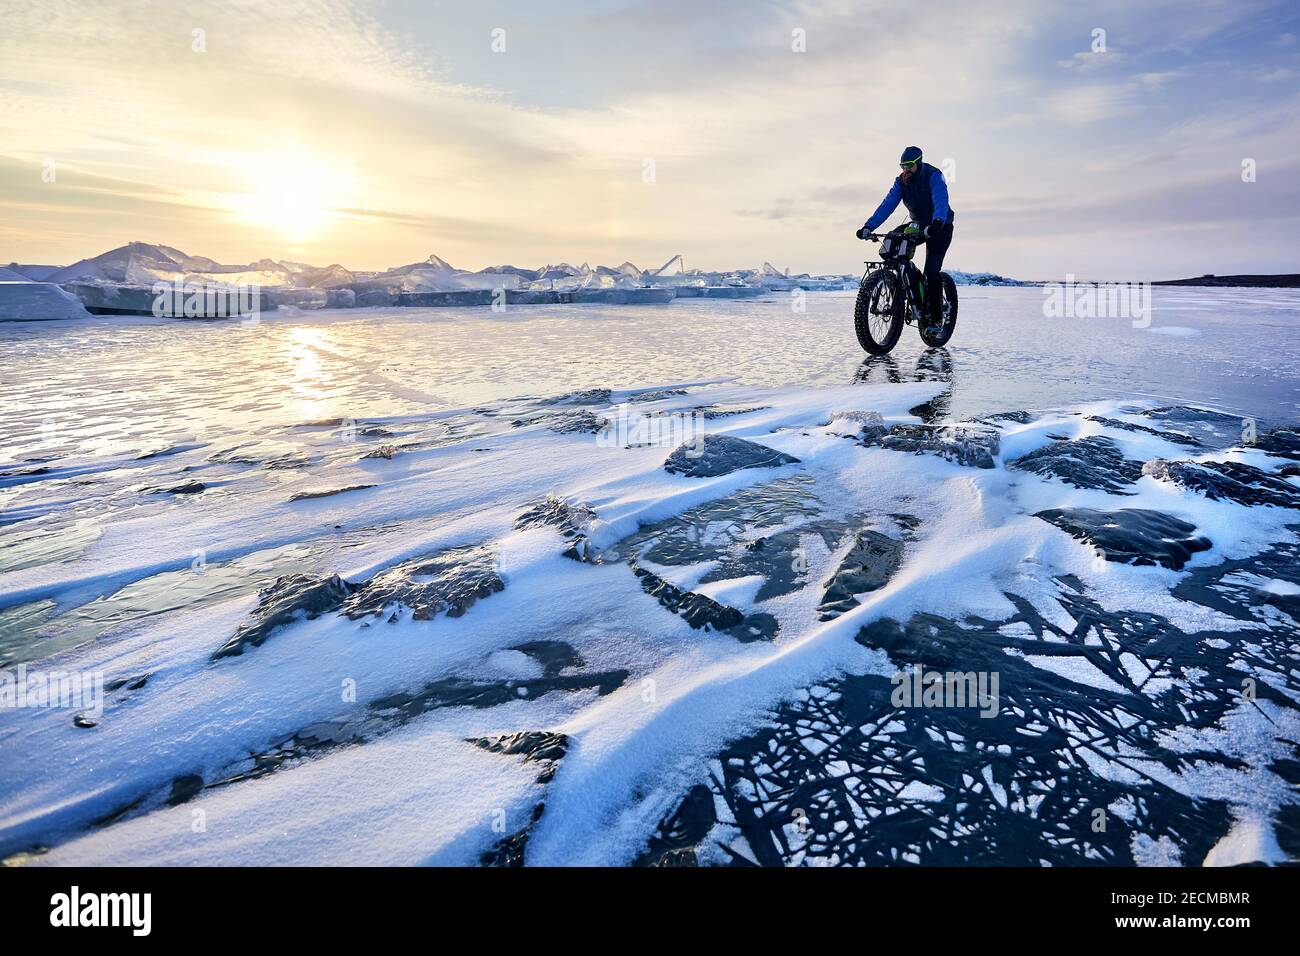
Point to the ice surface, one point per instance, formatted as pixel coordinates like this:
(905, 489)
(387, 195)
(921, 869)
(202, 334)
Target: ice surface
(652, 668)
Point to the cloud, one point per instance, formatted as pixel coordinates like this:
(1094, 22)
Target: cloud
(1088, 61)
(1158, 79)
(1089, 104)
(1277, 75)
(538, 153)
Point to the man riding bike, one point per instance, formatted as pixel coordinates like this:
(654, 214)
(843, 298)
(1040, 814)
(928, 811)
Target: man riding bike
(922, 189)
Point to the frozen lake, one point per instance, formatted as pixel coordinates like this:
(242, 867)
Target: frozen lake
(382, 586)
(114, 384)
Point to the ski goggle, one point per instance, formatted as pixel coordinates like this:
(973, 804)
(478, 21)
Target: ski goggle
(909, 164)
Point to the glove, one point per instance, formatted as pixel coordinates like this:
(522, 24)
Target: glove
(860, 232)
(934, 228)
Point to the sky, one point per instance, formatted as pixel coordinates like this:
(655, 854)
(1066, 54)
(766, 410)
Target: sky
(1105, 140)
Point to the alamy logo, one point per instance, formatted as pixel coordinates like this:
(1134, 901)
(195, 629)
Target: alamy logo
(629, 428)
(917, 688)
(103, 909)
(191, 300)
(1098, 300)
(23, 688)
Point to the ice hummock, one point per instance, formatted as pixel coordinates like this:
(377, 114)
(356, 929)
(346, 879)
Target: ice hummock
(129, 271)
(982, 278)
(32, 271)
(143, 264)
(24, 300)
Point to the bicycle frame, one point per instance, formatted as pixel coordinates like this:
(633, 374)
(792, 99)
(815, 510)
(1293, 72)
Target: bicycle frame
(912, 308)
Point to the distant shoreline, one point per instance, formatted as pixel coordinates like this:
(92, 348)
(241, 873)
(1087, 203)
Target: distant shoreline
(1282, 281)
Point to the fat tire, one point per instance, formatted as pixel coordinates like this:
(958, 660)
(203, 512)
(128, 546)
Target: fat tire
(879, 283)
(949, 317)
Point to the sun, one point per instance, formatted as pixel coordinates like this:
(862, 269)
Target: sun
(295, 193)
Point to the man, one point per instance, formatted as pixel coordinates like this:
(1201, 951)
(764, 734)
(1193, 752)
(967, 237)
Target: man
(922, 189)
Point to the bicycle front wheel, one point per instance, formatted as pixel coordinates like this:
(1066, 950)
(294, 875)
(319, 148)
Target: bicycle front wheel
(878, 313)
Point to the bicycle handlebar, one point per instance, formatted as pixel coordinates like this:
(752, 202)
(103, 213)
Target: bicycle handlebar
(877, 236)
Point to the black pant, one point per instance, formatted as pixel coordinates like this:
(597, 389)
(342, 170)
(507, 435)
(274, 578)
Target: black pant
(936, 247)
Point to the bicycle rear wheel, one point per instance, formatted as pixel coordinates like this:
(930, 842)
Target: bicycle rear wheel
(949, 316)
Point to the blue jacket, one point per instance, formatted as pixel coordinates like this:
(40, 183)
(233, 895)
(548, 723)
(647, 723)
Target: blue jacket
(925, 195)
